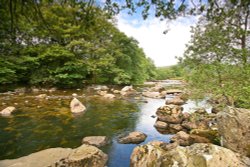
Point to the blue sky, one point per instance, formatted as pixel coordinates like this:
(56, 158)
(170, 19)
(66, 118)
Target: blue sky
(162, 48)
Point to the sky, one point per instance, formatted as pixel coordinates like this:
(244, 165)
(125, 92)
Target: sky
(161, 48)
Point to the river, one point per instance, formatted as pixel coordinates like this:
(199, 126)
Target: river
(45, 123)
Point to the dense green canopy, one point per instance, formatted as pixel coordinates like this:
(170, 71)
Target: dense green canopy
(65, 44)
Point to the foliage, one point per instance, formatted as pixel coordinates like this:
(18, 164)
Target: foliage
(218, 56)
(170, 72)
(66, 43)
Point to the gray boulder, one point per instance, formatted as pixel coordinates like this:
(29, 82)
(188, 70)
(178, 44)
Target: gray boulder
(234, 129)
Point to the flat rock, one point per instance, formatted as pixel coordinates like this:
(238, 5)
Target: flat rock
(97, 141)
(41, 96)
(83, 156)
(155, 95)
(133, 137)
(38, 159)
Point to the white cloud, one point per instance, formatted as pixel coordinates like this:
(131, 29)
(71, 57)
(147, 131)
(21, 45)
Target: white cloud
(162, 48)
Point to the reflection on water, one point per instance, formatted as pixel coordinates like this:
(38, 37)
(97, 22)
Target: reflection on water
(39, 123)
(119, 154)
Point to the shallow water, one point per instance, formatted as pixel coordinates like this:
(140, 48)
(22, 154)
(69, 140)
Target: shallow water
(39, 123)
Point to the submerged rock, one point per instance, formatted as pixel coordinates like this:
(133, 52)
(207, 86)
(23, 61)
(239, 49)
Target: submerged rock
(83, 156)
(7, 111)
(234, 128)
(76, 106)
(109, 96)
(133, 137)
(97, 141)
(41, 96)
(202, 155)
(101, 87)
(101, 93)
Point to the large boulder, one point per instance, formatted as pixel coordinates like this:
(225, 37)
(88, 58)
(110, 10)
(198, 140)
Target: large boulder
(76, 106)
(7, 111)
(234, 128)
(83, 156)
(86, 156)
(176, 101)
(185, 139)
(97, 141)
(133, 137)
(170, 114)
(203, 155)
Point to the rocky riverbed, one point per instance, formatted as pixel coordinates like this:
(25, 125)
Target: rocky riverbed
(132, 126)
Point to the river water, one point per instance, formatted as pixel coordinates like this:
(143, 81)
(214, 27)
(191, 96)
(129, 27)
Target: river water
(40, 124)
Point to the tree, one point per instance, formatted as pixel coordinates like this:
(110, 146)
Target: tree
(74, 42)
(218, 55)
